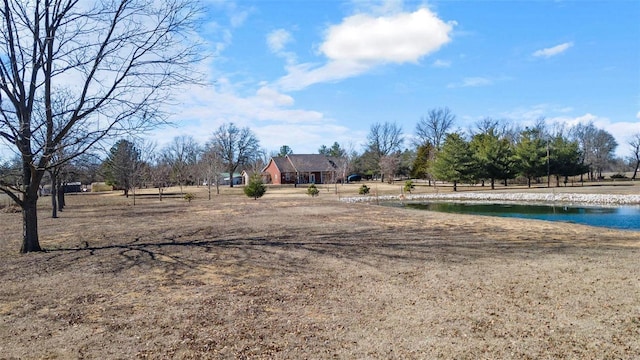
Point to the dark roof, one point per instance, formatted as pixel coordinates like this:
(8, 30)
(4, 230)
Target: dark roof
(312, 162)
(306, 163)
(283, 164)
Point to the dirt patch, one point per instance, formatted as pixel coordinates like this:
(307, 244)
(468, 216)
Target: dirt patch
(293, 277)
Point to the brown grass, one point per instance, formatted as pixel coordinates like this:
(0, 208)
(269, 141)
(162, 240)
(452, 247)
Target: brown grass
(292, 277)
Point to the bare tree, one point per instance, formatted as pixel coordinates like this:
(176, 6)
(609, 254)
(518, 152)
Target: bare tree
(118, 61)
(236, 147)
(384, 139)
(182, 155)
(158, 172)
(349, 154)
(584, 134)
(389, 165)
(604, 146)
(211, 166)
(257, 164)
(10, 172)
(432, 129)
(635, 151)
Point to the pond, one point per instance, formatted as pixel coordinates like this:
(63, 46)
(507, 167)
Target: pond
(622, 217)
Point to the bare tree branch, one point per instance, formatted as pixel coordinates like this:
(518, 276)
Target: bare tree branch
(433, 128)
(75, 73)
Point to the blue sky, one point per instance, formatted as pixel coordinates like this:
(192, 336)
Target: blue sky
(308, 73)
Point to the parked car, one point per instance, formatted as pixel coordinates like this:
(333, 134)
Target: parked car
(354, 177)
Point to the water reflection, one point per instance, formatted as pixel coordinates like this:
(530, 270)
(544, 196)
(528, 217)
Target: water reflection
(623, 217)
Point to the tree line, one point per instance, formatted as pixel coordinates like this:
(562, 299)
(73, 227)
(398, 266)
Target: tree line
(132, 164)
(491, 151)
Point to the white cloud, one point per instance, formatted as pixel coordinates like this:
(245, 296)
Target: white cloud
(303, 75)
(237, 14)
(442, 63)
(305, 138)
(638, 115)
(403, 37)
(271, 97)
(377, 6)
(270, 114)
(363, 41)
(238, 18)
(278, 39)
(553, 51)
(472, 82)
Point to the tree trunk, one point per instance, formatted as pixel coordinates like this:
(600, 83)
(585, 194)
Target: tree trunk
(31, 179)
(30, 242)
(231, 169)
(455, 185)
(61, 201)
(635, 172)
(493, 184)
(529, 182)
(54, 196)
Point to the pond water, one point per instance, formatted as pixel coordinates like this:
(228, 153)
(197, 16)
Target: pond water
(622, 217)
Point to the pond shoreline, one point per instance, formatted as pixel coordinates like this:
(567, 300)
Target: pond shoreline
(564, 198)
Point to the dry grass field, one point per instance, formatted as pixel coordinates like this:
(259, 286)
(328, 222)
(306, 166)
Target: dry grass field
(294, 277)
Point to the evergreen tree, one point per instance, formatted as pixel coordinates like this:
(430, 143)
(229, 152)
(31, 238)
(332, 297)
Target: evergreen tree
(312, 190)
(493, 155)
(285, 150)
(335, 150)
(531, 154)
(565, 159)
(255, 188)
(454, 162)
(121, 169)
(422, 162)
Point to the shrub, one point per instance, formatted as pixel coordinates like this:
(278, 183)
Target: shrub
(312, 190)
(99, 187)
(255, 188)
(408, 186)
(189, 197)
(364, 190)
(619, 176)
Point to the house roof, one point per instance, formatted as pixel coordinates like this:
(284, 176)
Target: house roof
(305, 163)
(282, 164)
(312, 162)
